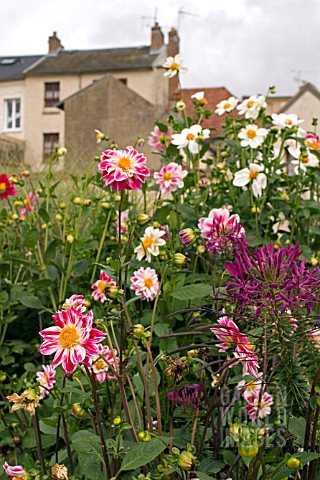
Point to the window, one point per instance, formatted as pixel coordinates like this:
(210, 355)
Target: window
(51, 94)
(13, 114)
(50, 142)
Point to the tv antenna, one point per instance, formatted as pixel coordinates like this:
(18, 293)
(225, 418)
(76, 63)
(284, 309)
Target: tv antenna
(182, 12)
(154, 18)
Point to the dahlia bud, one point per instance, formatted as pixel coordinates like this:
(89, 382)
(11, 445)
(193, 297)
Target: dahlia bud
(62, 205)
(87, 202)
(61, 151)
(180, 105)
(77, 201)
(101, 136)
(294, 463)
(3, 376)
(201, 249)
(235, 431)
(144, 436)
(186, 460)
(59, 217)
(117, 421)
(272, 90)
(112, 292)
(248, 450)
(139, 332)
(14, 216)
(314, 261)
(143, 219)
(25, 173)
(77, 410)
(187, 236)
(140, 141)
(70, 238)
(179, 259)
(18, 203)
(105, 205)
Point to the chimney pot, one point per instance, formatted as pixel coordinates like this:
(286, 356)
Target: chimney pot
(157, 38)
(54, 43)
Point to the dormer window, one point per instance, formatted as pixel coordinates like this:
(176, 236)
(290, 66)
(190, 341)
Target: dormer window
(51, 94)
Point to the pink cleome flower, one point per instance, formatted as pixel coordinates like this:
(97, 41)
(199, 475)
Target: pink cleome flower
(170, 177)
(123, 170)
(159, 141)
(6, 187)
(46, 379)
(258, 407)
(102, 286)
(72, 339)
(222, 232)
(101, 363)
(15, 472)
(145, 283)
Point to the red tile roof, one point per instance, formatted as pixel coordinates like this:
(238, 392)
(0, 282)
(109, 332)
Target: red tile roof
(213, 95)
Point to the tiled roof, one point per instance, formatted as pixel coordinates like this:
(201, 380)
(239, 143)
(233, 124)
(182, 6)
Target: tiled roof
(102, 60)
(12, 67)
(213, 95)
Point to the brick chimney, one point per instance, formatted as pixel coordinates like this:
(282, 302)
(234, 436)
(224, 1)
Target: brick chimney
(54, 43)
(173, 49)
(157, 38)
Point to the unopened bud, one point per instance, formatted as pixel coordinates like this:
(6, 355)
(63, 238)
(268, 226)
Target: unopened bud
(77, 201)
(77, 410)
(179, 259)
(117, 421)
(61, 151)
(62, 205)
(272, 90)
(70, 238)
(143, 219)
(105, 205)
(294, 463)
(186, 460)
(59, 217)
(144, 436)
(25, 173)
(187, 236)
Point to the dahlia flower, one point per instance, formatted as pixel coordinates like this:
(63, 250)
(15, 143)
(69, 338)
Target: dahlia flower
(159, 141)
(28, 401)
(173, 65)
(189, 397)
(76, 301)
(258, 407)
(123, 221)
(101, 363)
(284, 120)
(145, 283)
(252, 174)
(273, 280)
(6, 187)
(150, 243)
(72, 339)
(191, 137)
(46, 379)
(226, 105)
(15, 472)
(227, 333)
(199, 98)
(28, 203)
(221, 232)
(123, 170)
(312, 141)
(251, 107)
(170, 177)
(303, 159)
(101, 288)
(252, 136)
(187, 236)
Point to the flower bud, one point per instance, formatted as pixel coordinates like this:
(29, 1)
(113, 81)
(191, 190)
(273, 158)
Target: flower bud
(105, 205)
(87, 202)
(180, 105)
(59, 217)
(138, 331)
(25, 173)
(62, 205)
(201, 249)
(248, 450)
(294, 463)
(77, 201)
(144, 436)
(117, 198)
(14, 216)
(61, 151)
(117, 421)
(70, 238)
(44, 226)
(143, 219)
(112, 292)
(272, 90)
(179, 259)
(235, 431)
(77, 410)
(186, 460)
(140, 141)
(187, 236)
(3, 376)
(314, 261)
(18, 203)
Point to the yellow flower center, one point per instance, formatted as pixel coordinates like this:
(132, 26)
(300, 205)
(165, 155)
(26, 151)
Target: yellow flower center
(124, 163)
(288, 121)
(262, 405)
(3, 187)
(174, 66)
(100, 364)
(99, 136)
(248, 345)
(44, 380)
(227, 105)
(101, 285)
(313, 145)
(148, 282)
(147, 242)
(203, 101)
(68, 337)
(304, 159)
(167, 176)
(253, 174)
(163, 139)
(190, 136)
(26, 201)
(250, 103)
(251, 133)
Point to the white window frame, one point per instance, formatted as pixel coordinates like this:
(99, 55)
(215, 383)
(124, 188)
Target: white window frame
(15, 115)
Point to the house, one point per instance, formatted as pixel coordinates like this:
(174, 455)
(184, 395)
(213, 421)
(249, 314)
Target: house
(33, 87)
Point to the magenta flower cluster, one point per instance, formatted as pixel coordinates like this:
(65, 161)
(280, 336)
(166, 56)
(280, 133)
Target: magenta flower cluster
(189, 397)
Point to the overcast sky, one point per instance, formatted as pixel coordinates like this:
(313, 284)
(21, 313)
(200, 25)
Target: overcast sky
(245, 45)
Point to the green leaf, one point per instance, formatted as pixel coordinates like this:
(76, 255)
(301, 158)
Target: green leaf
(141, 454)
(31, 301)
(50, 253)
(297, 426)
(31, 239)
(42, 283)
(86, 442)
(80, 267)
(44, 215)
(192, 292)
(203, 476)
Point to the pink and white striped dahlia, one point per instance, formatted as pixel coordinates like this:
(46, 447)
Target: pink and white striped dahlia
(76, 301)
(170, 177)
(15, 472)
(222, 232)
(123, 221)
(123, 170)
(46, 379)
(101, 287)
(72, 339)
(145, 283)
(101, 363)
(159, 141)
(227, 333)
(258, 407)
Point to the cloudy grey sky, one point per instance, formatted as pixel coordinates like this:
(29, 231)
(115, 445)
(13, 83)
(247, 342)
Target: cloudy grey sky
(245, 45)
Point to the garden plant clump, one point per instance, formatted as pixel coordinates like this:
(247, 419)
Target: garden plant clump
(165, 325)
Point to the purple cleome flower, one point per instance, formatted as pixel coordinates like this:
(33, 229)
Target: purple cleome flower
(271, 278)
(188, 397)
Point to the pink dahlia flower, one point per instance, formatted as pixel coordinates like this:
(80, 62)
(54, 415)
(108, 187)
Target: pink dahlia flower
(124, 219)
(46, 379)
(76, 301)
(227, 333)
(6, 188)
(101, 363)
(159, 141)
(222, 232)
(14, 472)
(258, 407)
(123, 170)
(248, 360)
(170, 177)
(28, 203)
(145, 283)
(72, 339)
(102, 286)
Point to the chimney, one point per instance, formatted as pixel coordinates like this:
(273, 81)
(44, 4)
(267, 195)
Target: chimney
(54, 43)
(173, 49)
(157, 39)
